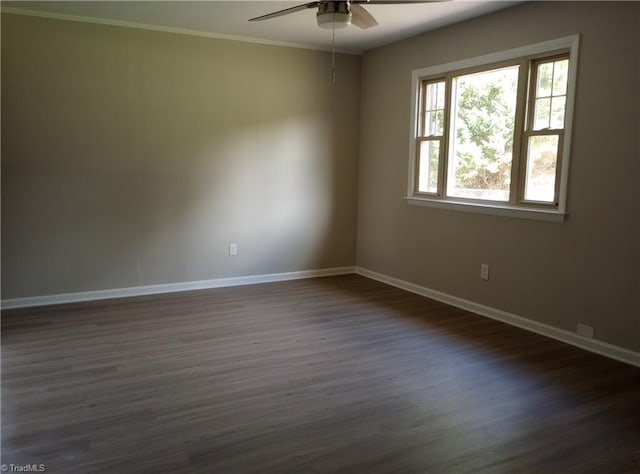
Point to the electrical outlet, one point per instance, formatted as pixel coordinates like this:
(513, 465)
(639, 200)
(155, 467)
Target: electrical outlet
(233, 250)
(484, 271)
(585, 331)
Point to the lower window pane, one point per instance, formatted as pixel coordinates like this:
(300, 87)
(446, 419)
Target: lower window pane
(483, 119)
(542, 160)
(428, 166)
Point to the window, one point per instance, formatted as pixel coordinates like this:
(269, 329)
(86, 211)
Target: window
(491, 134)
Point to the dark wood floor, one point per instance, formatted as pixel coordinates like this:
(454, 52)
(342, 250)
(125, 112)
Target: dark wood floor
(338, 374)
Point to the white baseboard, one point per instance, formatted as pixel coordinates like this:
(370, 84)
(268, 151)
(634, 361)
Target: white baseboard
(592, 345)
(169, 288)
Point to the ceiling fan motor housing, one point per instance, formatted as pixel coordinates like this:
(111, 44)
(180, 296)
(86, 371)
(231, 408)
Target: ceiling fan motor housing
(333, 14)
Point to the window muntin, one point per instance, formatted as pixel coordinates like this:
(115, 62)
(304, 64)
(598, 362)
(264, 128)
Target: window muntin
(537, 182)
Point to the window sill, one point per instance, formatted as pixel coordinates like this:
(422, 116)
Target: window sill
(493, 210)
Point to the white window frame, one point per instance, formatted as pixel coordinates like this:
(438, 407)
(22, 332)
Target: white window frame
(513, 208)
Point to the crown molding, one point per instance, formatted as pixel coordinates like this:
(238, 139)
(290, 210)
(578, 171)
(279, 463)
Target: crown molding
(168, 29)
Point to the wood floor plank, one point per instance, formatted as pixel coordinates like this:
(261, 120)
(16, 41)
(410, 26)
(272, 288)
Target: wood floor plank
(327, 375)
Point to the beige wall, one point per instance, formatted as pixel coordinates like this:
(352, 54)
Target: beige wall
(586, 270)
(132, 157)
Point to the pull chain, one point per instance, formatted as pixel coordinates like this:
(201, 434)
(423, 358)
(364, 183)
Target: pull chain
(333, 51)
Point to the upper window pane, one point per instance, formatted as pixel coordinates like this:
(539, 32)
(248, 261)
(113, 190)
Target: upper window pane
(560, 75)
(481, 139)
(435, 95)
(545, 78)
(550, 99)
(434, 109)
(558, 106)
(434, 122)
(542, 113)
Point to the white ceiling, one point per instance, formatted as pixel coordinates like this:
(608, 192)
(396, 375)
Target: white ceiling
(229, 19)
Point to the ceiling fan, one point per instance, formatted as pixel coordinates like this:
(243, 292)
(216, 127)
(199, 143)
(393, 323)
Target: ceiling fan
(334, 14)
(340, 14)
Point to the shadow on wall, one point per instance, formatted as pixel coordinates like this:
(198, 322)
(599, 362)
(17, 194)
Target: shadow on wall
(271, 191)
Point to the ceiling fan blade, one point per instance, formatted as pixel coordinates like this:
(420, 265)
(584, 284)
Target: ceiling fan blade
(286, 11)
(361, 17)
(396, 2)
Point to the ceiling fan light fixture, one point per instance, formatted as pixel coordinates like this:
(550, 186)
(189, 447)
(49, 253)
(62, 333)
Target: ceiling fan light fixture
(335, 20)
(334, 15)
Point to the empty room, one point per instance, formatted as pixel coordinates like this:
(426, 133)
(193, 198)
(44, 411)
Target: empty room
(333, 237)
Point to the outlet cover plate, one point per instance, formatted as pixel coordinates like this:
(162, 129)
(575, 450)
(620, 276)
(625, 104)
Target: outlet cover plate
(484, 271)
(585, 331)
